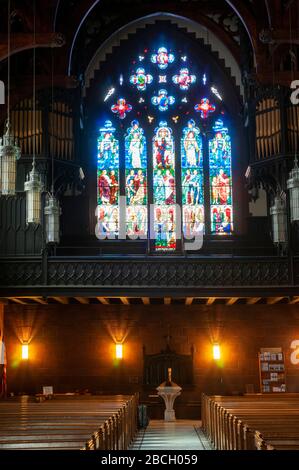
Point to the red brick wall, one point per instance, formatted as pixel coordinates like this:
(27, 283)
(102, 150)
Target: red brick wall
(72, 346)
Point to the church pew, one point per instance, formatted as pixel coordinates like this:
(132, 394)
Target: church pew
(232, 422)
(89, 423)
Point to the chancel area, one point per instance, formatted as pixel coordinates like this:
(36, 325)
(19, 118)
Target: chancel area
(149, 209)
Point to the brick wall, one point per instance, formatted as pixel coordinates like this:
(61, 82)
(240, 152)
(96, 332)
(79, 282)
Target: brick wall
(72, 346)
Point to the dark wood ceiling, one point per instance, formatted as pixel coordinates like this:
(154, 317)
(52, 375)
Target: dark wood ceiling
(81, 26)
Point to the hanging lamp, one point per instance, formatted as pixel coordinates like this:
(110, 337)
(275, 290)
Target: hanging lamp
(10, 152)
(33, 185)
(279, 221)
(52, 213)
(52, 209)
(293, 187)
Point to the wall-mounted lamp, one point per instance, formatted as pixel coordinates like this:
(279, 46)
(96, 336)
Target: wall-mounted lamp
(216, 352)
(25, 352)
(118, 351)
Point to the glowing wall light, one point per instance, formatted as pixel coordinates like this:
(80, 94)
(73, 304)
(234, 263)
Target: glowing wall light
(119, 351)
(25, 351)
(216, 352)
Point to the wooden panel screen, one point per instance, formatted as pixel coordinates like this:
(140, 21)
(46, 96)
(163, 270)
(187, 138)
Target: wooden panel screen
(23, 127)
(61, 132)
(293, 127)
(268, 128)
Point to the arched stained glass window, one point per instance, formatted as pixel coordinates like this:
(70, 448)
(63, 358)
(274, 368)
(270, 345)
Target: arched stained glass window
(164, 188)
(164, 143)
(220, 180)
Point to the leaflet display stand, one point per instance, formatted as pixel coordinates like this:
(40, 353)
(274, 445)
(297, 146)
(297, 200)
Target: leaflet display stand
(272, 370)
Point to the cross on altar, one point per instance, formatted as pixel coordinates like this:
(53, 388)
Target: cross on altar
(204, 108)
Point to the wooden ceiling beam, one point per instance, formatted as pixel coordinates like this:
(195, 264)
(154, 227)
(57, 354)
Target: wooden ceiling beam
(62, 300)
(211, 300)
(232, 300)
(294, 300)
(125, 300)
(103, 300)
(82, 300)
(253, 300)
(146, 300)
(39, 300)
(18, 301)
(273, 300)
(24, 41)
(189, 300)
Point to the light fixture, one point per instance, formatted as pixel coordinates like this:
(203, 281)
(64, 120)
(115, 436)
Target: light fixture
(52, 209)
(279, 224)
(33, 189)
(10, 152)
(52, 213)
(216, 352)
(293, 187)
(33, 185)
(118, 351)
(25, 352)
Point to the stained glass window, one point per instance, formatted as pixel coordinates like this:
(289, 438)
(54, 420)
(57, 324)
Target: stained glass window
(172, 130)
(164, 188)
(136, 181)
(220, 181)
(108, 181)
(192, 180)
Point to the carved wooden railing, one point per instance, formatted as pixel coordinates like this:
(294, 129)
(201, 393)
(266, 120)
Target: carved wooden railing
(135, 274)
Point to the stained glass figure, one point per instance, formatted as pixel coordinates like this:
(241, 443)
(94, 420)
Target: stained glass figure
(164, 194)
(164, 187)
(220, 180)
(184, 79)
(137, 221)
(163, 147)
(162, 58)
(108, 185)
(165, 230)
(135, 146)
(121, 108)
(108, 148)
(205, 108)
(192, 182)
(141, 79)
(136, 187)
(193, 220)
(191, 146)
(163, 100)
(108, 220)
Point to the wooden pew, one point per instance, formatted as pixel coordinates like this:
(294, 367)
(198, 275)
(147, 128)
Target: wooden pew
(89, 423)
(253, 422)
